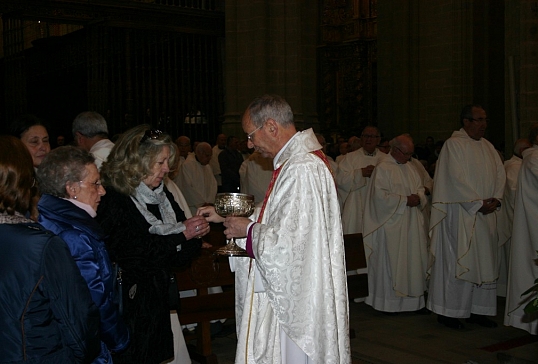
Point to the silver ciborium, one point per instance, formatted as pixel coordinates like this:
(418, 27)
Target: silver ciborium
(233, 204)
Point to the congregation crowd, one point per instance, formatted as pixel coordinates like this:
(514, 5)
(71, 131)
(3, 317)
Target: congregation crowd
(91, 230)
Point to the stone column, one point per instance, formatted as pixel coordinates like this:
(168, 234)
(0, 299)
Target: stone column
(270, 48)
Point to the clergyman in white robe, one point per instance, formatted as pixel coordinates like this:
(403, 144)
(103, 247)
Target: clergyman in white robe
(523, 269)
(197, 183)
(464, 241)
(506, 216)
(353, 187)
(298, 282)
(395, 239)
(427, 182)
(255, 174)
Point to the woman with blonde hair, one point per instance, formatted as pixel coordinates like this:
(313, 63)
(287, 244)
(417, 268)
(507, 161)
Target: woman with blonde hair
(148, 235)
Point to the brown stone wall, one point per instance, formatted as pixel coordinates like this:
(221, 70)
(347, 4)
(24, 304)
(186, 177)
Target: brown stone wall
(522, 68)
(433, 58)
(270, 48)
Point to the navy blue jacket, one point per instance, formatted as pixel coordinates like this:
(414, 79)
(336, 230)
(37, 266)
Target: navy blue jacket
(85, 240)
(46, 311)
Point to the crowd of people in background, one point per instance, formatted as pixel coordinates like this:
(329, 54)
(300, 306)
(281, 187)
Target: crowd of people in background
(436, 219)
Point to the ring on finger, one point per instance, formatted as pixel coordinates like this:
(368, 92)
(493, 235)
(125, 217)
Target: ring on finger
(197, 228)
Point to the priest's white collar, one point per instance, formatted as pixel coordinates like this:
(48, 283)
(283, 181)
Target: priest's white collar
(275, 160)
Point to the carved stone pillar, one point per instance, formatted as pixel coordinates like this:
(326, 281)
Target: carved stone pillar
(270, 48)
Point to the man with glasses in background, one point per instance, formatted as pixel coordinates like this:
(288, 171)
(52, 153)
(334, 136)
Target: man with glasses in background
(467, 191)
(353, 178)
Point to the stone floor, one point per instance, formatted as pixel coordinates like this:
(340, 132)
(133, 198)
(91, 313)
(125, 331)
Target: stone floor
(411, 338)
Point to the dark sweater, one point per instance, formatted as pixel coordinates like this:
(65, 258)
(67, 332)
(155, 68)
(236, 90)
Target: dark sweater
(146, 260)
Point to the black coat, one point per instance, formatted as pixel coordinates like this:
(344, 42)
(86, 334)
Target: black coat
(46, 312)
(146, 260)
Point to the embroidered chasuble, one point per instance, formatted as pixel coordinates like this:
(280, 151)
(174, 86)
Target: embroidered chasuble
(297, 283)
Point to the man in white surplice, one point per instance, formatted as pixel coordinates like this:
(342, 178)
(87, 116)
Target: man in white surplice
(195, 178)
(467, 192)
(353, 178)
(291, 298)
(395, 239)
(523, 270)
(506, 215)
(255, 173)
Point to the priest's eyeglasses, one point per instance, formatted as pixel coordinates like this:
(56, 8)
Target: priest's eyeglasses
(151, 134)
(405, 154)
(249, 135)
(481, 120)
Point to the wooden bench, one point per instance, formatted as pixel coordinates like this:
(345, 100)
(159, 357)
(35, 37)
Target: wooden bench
(357, 284)
(207, 270)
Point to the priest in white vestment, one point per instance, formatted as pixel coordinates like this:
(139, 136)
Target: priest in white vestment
(353, 177)
(467, 192)
(506, 214)
(214, 161)
(395, 239)
(183, 150)
(196, 180)
(523, 269)
(255, 174)
(291, 298)
(427, 182)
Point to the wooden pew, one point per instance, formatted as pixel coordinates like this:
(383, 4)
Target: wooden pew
(357, 285)
(207, 270)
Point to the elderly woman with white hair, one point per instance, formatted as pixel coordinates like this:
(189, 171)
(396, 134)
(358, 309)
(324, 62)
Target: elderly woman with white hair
(71, 191)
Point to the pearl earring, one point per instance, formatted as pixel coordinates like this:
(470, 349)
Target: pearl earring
(75, 197)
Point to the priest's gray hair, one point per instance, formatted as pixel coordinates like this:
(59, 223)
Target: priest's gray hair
(90, 124)
(398, 141)
(268, 107)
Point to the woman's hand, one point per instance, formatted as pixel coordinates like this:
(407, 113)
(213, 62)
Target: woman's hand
(210, 214)
(195, 227)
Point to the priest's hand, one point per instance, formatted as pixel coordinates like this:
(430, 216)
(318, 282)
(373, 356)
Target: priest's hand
(488, 206)
(413, 200)
(367, 171)
(210, 214)
(236, 227)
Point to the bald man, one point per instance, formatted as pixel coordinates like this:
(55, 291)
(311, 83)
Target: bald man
(196, 179)
(395, 237)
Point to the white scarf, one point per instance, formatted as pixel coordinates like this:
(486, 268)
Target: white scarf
(168, 225)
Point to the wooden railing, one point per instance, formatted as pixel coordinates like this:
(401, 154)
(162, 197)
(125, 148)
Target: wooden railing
(208, 270)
